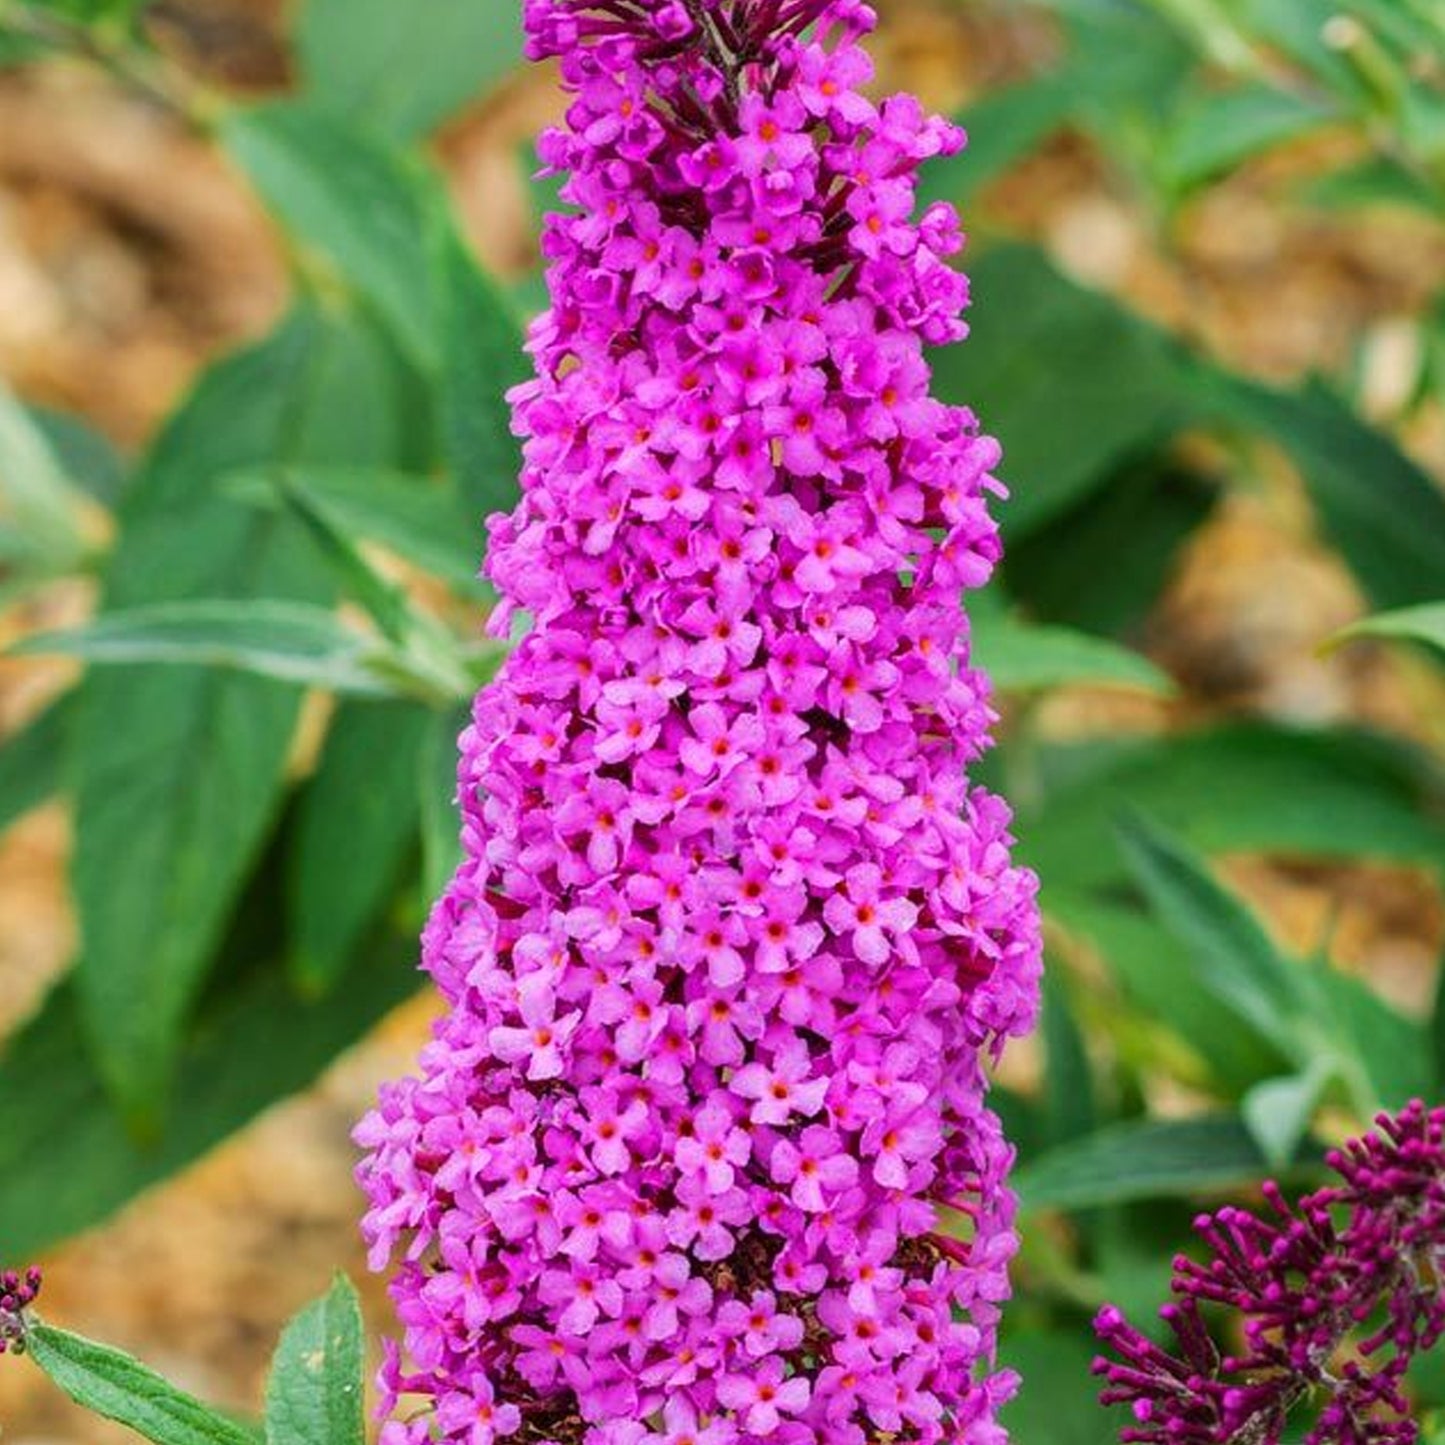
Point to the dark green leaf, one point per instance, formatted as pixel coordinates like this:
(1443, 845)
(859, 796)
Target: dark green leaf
(402, 69)
(292, 642)
(1243, 788)
(483, 356)
(356, 828)
(351, 200)
(1380, 509)
(1216, 132)
(1070, 383)
(1023, 658)
(180, 770)
(1388, 1055)
(415, 517)
(437, 781)
(64, 1166)
(32, 761)
(87, 457)
(314, 1394)
(1055, 571)
(1229, 952)
(118, 1387)
(1068, 1079)
(1144, 1159)
(1142, 958)
(1058, 1403)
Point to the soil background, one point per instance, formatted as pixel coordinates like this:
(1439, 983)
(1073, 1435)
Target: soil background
(129, 255)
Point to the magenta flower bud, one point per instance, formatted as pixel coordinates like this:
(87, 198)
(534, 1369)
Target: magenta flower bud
(1334, 1298)
(701, 1151)
(17, 1293)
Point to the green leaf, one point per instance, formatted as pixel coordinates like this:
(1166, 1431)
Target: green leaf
(1069, 382)
(1058, 1404)
(179, 771)
(1380, 509)
(356, 828)
(403, 69)
(483, 358)
(1230, 954)
(1379, 181)
(1023, 658)
(314, 1394)
(291, 642)
(418, 519)
(1144, 1159)
(1387, 1059)
(1278, 1112)
(40, 498)
(1216, 132)
(1242, 788)
(118, 1387)
(1068, 1079)
(351, 200)
(1002, 128)
(1425, 624)
(32, 761)
(437, 781)
(1139, 954)
(65, 1167)
(86, 456)
(1055, 570)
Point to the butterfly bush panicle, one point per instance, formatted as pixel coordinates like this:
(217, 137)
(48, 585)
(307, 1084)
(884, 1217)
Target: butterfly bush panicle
(18, 1291)
(734, 937)
(1334, 1297)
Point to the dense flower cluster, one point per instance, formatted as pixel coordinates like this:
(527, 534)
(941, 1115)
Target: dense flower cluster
(700, 1153)
(1360, 1263)
(17, 1293)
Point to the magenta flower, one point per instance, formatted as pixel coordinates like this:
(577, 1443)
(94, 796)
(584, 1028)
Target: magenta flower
(735, 936)
(18, 1291)
(1336, 1296)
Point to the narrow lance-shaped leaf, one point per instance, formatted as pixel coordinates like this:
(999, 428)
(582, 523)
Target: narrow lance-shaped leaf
(1022, 658)
(402, 69)
(288, 641)
(314, 1394)
(483, 358)
(114, 1385)
(179, 770)
(65, 1166)
(1230, 954)
(357, 824)
(351, 199)
(1147, 1159)
(32, 761)
(420, 520)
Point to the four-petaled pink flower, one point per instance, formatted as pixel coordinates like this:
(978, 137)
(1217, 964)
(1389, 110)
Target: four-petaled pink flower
(863, 914)
(815, 1166)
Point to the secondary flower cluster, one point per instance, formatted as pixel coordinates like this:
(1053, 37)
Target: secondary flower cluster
(1361, 1262)
(17, 1293)
(734, 935)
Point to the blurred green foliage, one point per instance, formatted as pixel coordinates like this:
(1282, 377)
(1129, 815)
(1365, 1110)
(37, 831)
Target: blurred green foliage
(240, 928)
